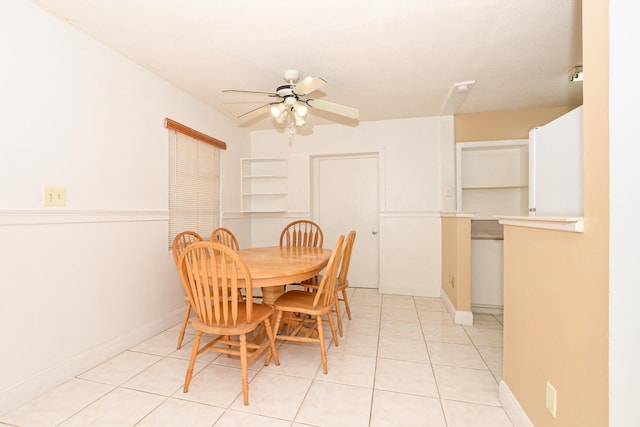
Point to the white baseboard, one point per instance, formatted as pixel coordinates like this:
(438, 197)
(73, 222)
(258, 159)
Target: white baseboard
(487, 309)
(18, 394)
(511, 406)
(459, 317)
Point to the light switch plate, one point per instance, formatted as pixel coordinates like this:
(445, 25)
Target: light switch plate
(55, 196)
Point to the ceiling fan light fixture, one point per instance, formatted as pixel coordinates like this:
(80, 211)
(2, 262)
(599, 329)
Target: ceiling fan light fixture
(301, 109)
(277, 110)
(292, 105)
(282, 117)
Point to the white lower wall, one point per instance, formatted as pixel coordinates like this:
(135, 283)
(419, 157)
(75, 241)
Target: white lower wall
(78, 293)
(411, 253)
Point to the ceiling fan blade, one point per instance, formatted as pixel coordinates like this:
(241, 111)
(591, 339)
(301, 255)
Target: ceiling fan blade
(249, 92)
(248, 116)
(334, 108)
(308, 85)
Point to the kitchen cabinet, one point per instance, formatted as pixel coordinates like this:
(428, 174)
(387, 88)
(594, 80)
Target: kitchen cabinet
(264, 184)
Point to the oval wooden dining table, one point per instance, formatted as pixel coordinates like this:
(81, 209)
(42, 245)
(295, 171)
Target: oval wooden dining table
(273, 267)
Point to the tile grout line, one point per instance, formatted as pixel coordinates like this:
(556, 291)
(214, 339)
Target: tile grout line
(424, 338)
(375, 369)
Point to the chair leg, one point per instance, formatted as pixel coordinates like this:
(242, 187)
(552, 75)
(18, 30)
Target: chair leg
(275, 332)
(288, 324)
(346, 303)
(336, 307)
(185, 322)
(272, 342)
(323, 352)
(243, 365)
(333, 329)
(192, 361)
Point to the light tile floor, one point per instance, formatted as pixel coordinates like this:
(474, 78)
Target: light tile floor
(401, 362)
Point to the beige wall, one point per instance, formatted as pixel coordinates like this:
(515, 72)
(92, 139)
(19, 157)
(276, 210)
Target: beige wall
(499, 125)
(456, 261)
(556, 283)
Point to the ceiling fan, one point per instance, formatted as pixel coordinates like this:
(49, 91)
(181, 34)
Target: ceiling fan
(291, 101)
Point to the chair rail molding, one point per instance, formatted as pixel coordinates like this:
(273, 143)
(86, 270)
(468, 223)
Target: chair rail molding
(68, 216)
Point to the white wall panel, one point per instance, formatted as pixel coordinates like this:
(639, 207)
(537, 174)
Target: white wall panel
(411, 254)
(411, 178)
(94, 278)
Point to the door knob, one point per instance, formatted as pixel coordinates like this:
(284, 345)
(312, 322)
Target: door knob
(374, 232)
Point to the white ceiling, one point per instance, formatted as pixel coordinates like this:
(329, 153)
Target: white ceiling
(390, 59)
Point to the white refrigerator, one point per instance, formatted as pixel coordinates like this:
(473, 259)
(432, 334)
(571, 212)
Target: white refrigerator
(556, 177)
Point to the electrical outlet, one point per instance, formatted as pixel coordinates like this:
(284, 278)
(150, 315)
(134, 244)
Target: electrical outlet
(551, 399)
(55, 196)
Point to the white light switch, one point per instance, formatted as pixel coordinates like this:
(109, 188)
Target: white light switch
(55, 196)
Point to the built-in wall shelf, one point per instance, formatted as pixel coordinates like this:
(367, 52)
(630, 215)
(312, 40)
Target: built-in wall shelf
(492, 177)
(570, 224)
(494, 187)
(264, 182)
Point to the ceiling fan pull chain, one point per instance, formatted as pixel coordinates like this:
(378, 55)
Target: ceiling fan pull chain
(291, 130)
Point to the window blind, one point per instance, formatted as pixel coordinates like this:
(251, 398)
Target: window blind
(194, 186)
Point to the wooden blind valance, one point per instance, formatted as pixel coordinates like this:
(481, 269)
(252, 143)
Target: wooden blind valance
(179, 127)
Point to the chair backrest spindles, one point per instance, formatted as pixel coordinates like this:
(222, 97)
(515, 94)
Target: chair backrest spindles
(212, 275)
(326, 289)
(346, 257)
(181, 241)
(224, 236)
(302, 233)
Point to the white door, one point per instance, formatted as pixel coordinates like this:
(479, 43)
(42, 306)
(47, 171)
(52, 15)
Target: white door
(345, 197)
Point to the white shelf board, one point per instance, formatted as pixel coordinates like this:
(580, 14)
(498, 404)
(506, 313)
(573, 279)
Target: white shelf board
(493, 187)
(264, 176)
(264, 194)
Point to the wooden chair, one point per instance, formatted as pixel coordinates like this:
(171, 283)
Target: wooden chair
(212, 275)
(180, 242)
(342, 282)
(224, 236)
(305, 309)
(302, 233)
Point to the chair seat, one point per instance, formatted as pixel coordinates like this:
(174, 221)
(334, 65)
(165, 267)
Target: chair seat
(260, 312)
(301, 302)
